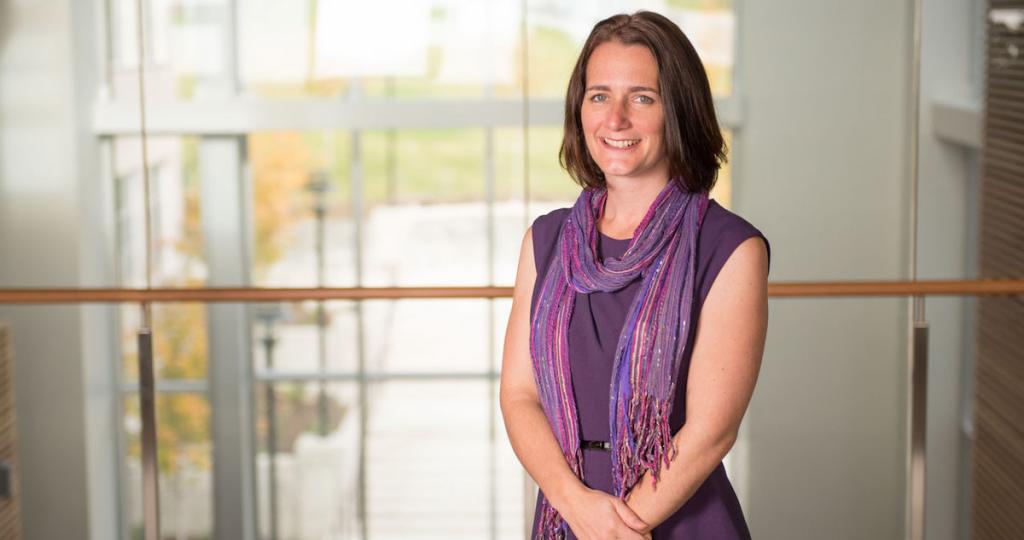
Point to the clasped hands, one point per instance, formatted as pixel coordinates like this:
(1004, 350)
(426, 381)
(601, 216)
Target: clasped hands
(596, 515)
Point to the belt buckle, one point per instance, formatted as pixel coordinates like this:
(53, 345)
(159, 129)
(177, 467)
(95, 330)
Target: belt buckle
(597, 445)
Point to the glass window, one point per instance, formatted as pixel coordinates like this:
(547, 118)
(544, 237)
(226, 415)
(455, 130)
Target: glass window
(307, 478)
(428, 466)
(435, 49)
(302, 213)
(180, 346)
(424, 213)
(187, 49)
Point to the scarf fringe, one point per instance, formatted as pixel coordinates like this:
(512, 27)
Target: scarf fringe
(550, 525)
(633, 458)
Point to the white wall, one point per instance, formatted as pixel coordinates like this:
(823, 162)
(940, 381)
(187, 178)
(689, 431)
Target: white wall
(38, 239)
(823, 159)
(822, 170)
(50, 237)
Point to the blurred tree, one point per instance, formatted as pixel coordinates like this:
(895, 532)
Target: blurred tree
(281, 163)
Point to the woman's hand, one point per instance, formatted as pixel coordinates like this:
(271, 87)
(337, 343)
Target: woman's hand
(596, 515)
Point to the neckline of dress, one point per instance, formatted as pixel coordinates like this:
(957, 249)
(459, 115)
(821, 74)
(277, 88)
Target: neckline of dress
(606, 237)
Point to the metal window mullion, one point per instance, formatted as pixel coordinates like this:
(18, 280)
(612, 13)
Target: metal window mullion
(489, 174)
(230, 394)
(248, 226)
(105, 54)
(232, 77)
(318, 186)
(489, 196)
(357, 200)
(107, 174)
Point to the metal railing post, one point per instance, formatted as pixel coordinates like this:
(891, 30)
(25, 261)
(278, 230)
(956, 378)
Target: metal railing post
(918, 424)
(147, 411)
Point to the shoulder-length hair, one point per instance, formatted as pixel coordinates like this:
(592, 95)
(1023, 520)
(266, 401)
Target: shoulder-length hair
(693, 141)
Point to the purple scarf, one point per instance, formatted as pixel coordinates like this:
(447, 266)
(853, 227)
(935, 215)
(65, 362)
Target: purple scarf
(650, 347)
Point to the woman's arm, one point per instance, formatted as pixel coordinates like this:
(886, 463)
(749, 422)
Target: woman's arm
(587, 511)
(723, 369)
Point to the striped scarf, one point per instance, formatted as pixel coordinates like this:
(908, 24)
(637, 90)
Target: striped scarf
(650, 347)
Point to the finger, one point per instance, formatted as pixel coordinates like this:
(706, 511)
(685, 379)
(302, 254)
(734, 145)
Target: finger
(629, 534)
(629, 517)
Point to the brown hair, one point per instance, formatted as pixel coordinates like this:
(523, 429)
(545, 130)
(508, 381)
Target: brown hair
(693, 141)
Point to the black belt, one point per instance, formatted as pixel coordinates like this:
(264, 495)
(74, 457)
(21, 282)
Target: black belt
(595, 445)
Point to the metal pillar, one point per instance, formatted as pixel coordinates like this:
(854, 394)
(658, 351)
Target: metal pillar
(147, 410)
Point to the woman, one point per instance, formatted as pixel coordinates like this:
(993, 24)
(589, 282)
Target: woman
(639, 315)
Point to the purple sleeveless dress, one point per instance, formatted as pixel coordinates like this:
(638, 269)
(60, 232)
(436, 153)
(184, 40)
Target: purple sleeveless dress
(713, 512)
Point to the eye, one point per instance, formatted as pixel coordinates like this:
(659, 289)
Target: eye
(645, 100)
(598, 98)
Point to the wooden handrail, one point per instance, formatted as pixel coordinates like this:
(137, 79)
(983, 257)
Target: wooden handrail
(783, 290)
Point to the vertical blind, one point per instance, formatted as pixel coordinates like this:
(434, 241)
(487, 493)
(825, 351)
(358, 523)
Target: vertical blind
(997, 489)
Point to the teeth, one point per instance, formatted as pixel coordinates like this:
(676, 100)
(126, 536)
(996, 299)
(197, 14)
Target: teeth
(622, 144)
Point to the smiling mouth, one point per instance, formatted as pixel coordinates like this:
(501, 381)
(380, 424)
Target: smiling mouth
(623, 143)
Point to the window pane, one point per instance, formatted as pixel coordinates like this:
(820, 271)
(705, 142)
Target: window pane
(178, 258)
(427, 335)
(187, 49)
(428, 460)
(302, 193)
(424, 217)
(175, 220)
(511, 484)
(509, 209)
(315, 459)
(180, 345)
(288, 339)
(184, 458)
(436, 49)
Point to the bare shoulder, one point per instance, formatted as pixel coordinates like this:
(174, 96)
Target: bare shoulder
(740, 290)
(749, 258)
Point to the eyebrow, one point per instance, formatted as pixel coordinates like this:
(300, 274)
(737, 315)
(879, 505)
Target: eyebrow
(606, 88)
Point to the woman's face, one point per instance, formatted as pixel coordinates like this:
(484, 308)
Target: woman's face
(622, 115)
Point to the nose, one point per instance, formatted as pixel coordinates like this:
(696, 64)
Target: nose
(618, 115)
